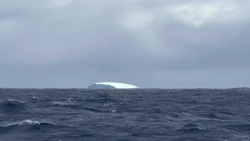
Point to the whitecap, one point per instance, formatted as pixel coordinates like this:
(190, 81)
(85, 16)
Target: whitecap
(113, 111)
(37, 98)
(28, 122)
(60, 103)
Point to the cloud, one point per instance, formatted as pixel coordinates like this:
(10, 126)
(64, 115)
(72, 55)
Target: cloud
(143, 42)
(137, 19)
(198, 14)
(59, 3)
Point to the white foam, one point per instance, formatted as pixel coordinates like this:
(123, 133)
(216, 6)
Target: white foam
(113, 111)
(27, 122)
(60, 103)
(37, 98)
(24, 122)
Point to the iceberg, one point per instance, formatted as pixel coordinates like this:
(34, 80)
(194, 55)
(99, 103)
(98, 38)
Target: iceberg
(111, 85)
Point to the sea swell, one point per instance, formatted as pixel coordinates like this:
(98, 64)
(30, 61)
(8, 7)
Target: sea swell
(124, 115)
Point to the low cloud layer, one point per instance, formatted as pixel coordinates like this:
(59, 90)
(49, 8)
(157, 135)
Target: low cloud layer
(151, 44)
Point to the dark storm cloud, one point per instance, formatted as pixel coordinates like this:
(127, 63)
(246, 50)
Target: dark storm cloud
(73, 43)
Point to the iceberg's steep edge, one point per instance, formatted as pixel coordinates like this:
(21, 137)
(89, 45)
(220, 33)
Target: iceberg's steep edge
(111, 85)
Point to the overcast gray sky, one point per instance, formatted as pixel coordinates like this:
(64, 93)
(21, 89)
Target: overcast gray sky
(147, 43)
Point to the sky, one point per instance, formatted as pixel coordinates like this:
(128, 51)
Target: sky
(147, 43)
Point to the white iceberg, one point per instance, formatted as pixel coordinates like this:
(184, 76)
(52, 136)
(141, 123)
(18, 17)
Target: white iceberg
(111, 85)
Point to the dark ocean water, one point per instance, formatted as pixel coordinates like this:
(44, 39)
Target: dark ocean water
(125, 115)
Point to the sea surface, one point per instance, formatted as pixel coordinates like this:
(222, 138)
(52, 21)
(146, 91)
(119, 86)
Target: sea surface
(125, 115)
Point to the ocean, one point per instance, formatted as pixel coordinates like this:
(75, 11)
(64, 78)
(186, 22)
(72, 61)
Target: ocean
(125, 115)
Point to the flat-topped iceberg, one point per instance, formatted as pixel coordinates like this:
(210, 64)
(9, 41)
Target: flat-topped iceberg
(111, 85)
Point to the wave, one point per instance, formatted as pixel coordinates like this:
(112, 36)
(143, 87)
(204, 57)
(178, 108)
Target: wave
(31, 129)
(239, 128)
(192, 128)
(100, 110)
(11, 106)
(35, 99)
(95, 110)
(68, 104)
(29, 122)
(100, 100)
(26, 126)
